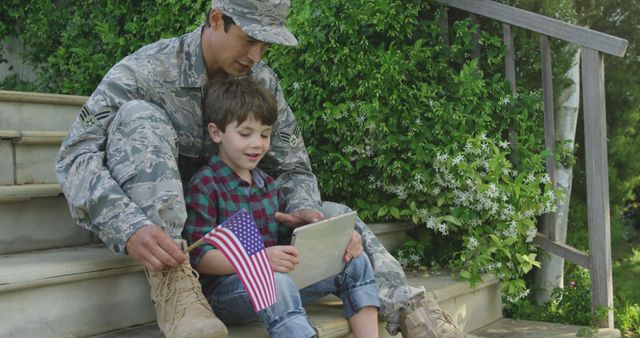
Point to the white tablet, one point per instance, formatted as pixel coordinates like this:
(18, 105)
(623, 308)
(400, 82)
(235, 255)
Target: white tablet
(321, 247)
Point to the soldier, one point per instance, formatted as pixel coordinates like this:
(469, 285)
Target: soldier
(141, 132)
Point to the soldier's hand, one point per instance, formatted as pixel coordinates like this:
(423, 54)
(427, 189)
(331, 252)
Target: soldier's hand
(299, 217)
(283, 258)
(354, 249)
(154, 249)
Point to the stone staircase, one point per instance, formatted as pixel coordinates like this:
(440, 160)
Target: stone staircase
(58, 280)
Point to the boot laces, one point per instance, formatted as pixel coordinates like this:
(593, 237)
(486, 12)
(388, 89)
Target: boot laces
(178, 296)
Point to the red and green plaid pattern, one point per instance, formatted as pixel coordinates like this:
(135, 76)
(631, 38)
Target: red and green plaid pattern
(216, 192)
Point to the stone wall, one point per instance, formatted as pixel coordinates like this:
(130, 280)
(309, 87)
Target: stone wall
(11, 49)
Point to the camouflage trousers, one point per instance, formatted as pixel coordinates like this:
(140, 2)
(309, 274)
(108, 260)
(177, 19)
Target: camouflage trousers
(142, 156)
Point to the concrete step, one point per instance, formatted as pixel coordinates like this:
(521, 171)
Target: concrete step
(38, 111)
(38, 224)
(31, 156)
(510, 328)
(71, 292)
(454, 296)
(36, 217)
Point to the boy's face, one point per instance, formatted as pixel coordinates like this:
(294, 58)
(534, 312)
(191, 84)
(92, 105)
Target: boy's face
(242, 146)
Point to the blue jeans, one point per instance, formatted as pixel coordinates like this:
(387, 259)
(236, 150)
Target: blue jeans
(286, 318)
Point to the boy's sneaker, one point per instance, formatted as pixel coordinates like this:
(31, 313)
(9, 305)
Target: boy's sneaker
(181, 309)
(428, 320)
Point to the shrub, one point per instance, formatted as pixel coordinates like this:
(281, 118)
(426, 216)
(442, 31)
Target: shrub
(401, 126)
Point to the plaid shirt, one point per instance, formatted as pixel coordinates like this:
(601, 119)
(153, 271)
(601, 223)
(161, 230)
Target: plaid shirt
(216, 192)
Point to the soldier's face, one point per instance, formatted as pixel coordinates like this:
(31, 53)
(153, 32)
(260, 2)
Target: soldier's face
(242, 146)
(233, 52)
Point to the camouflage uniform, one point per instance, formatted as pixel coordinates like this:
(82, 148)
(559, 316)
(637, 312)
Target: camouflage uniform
(119, 165)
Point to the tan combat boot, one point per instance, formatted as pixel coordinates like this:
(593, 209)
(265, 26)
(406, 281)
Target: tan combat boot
(428, 320)
(181, 309)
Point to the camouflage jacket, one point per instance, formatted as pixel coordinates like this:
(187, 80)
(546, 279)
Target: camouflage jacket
(171, 74)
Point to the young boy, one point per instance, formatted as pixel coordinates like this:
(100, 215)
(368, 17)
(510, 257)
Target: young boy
(240, 115)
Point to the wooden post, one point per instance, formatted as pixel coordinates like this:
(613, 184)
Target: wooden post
(475, 52)
(548, 221)
(510, 72)
(595, 134)
(444, 27)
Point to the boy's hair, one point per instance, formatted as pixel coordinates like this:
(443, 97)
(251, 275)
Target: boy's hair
(236, 99)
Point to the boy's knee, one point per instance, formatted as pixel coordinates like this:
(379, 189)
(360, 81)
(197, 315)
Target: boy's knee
(359, 269)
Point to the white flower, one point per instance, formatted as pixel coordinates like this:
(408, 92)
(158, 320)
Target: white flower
(472, 244)
(296, 85)
(367, 151)
(484, 146)
(457, 159)
(511, 232)
(442, 227)
(545, 179)
(530, 178)
(531, 234)
(468, 148)
(504, 144)
(431, 223)
(418, 121)
(440, 157)
(475, 222)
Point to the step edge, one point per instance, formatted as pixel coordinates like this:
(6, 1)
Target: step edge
(25, 192)
(33, 136)
(42, 98)
(97, 261)
(62, 279)
(463, 288)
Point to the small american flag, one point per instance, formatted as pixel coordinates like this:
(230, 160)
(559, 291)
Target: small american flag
(239, 240)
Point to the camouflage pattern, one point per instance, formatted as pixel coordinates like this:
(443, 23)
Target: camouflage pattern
(170, 76)
(394, 292)
(261, 19)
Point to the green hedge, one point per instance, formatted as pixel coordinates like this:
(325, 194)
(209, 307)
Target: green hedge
(399, 125)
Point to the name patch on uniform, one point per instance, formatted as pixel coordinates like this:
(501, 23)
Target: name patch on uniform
(292, 139)
(88, 119)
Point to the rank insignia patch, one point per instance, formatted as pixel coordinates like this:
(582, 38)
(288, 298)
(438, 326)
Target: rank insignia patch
(89, 119)
(292, 139)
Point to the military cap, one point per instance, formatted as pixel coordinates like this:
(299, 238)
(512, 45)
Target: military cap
(261, 19)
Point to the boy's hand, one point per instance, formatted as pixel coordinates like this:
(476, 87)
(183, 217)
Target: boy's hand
(299, 217)
(354, 249)
(283, 258)
(154, 249)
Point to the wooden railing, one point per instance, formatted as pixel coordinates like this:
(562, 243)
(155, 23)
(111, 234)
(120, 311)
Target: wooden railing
(592, 44)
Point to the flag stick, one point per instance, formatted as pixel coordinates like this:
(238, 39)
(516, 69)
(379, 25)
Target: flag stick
(194, 245)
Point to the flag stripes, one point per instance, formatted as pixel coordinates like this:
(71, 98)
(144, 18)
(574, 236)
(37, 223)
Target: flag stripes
(254, 270)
